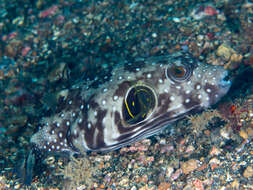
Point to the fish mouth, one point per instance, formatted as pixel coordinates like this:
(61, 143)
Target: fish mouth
(225, 82)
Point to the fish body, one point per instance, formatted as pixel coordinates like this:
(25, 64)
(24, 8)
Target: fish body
(137, 100)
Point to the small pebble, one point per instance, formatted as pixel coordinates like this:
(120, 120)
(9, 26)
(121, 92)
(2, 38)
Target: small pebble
(82, 187)
(175, 19)
(169, 171)
(214, 160)
(189, 166)
(243, 134)
(154, 35)
(224, 133)
(235, 184)
(248, 172)
(164, 186)
(225, 52)
(215, 151)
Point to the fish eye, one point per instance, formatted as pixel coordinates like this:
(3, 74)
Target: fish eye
(138, 104)
(179, 73)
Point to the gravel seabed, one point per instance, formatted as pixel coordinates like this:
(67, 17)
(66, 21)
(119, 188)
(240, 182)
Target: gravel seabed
(46, 46)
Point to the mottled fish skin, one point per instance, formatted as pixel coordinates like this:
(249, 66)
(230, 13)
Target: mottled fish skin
(138, 100)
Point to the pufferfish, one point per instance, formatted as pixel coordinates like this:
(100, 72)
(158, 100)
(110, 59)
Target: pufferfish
(137, 100)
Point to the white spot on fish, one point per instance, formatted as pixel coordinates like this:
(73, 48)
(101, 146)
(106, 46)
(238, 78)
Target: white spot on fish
(75, 132)
(172, 98)
(80, 120)
(115, 98)
(187, 100)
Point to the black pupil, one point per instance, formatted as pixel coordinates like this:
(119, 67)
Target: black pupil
(179, 71)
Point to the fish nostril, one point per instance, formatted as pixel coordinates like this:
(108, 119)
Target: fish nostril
(227, 78)
(225, 82)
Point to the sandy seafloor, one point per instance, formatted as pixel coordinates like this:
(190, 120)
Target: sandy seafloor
(46, 46)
